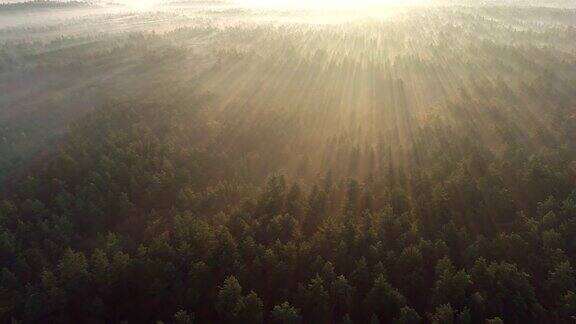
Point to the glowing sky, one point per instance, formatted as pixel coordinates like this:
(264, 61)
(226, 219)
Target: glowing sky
(296, 4)
(330, 4)
(142, 4)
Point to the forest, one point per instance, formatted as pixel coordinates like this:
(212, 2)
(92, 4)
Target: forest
(42, 4)
(227, 164)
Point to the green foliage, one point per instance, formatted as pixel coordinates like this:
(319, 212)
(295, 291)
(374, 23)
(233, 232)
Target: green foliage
(408, 316)
(385, 300)
(285, 314)
(182, 317)
(233, 307)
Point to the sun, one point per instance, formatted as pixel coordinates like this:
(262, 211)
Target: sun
(140, 4)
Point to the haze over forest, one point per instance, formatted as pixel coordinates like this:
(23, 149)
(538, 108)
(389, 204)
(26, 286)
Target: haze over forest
(278, 161)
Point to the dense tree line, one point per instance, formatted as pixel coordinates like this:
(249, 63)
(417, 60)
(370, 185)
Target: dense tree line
(43, 4)
(141, 216)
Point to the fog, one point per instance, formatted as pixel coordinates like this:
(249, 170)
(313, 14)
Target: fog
(58, 62)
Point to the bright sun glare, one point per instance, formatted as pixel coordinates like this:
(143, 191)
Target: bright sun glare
(299, 4)
(141, 4)
(330, 4)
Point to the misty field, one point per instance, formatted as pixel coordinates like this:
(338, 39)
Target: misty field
(219, 162)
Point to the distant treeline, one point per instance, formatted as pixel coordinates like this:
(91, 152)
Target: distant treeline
(530, 3)
(44, 4)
